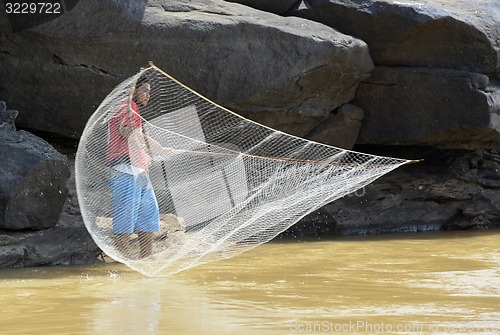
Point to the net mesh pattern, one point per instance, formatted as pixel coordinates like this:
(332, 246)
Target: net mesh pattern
(196, 182)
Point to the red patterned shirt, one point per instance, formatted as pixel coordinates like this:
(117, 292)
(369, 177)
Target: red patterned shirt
(119, 149)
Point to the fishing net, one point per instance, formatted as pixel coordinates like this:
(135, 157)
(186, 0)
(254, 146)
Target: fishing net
(167, 179)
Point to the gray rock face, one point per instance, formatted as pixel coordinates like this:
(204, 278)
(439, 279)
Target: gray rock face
(449, 190)
(276, 6)
(67, 243)
(60, 245)
(414, 97)
(341, 129)
(435, 107)
(7, 120)
(33, 176)
(286, 72)
(460, 35)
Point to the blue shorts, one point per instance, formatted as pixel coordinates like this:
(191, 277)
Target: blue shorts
(135, 208)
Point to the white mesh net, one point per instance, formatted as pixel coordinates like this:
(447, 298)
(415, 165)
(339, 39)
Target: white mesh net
(168, 180)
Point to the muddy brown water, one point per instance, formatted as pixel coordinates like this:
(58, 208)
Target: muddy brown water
(428, 283)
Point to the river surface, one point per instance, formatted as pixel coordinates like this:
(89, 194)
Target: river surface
(427, 283)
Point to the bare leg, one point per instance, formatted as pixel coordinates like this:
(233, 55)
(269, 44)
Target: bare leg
(122, 244)
(146, 244)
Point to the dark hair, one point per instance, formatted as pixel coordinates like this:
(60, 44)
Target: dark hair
(144, 78)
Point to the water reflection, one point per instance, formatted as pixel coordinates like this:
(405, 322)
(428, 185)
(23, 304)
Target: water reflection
(132, 308)
(423, 284)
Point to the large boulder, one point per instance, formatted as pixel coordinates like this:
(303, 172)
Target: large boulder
(461, 34)
(439, 64)
(33, 179)
(286, 72)
(67, 243)
(435, 107)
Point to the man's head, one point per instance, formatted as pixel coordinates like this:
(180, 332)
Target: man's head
(142, 91)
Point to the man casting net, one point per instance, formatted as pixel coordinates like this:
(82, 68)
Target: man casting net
(168, 180)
